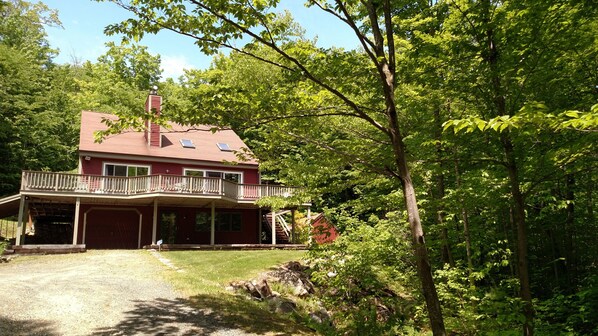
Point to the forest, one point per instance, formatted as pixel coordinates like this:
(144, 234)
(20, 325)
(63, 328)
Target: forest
(455, 149)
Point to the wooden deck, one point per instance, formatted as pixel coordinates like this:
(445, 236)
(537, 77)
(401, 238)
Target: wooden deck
(186, 247)
(150, 185)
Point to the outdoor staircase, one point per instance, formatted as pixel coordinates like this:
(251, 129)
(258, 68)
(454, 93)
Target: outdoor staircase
(283, 231)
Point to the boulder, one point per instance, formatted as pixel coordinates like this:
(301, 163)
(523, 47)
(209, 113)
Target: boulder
(282, 305)
(262, 287)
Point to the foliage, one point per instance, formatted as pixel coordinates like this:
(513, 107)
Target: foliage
(367, 279)
(38, 127)
(531, 116)
(573, 314)
(118, 84)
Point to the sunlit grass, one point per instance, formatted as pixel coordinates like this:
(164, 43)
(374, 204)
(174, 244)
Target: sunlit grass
(209, 272)
(204, 275)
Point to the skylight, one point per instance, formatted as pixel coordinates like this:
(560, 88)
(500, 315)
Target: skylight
(224, 147)
(186, 143)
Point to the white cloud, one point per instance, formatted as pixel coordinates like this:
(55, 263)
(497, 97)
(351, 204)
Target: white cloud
(173, 66)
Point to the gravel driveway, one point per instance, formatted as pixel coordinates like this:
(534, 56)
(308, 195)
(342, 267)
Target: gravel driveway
(96, 293)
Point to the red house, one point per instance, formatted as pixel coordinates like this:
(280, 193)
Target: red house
(175, 185)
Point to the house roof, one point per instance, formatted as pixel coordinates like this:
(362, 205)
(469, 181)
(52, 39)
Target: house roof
(134, 143)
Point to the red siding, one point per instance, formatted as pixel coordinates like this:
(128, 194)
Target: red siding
(94, 167)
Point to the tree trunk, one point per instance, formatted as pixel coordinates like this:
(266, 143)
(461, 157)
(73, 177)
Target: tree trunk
(491, 56)
(447, 257)
(519, 219)
(419, 244)
(466, 235)
(571, 260)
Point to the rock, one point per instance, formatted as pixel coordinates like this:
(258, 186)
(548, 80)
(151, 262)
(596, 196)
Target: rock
(282, 305)
(295, 266)
(301, 289)
(262, 287)
(250, 288)
(321, 316)
(293, 274)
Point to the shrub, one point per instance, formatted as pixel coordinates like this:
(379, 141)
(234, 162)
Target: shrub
(575, 314)
(367, 279)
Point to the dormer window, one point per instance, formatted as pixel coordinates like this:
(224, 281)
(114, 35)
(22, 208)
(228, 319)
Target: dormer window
(186, 143)
(224, 147)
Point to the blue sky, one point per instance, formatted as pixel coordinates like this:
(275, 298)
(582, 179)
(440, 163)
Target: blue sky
(82, 36)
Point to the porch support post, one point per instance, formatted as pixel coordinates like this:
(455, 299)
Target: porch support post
(273, 227)
(292, 226)
(84, 226)
(309, 228)
(76, 224)
(259, 226)
(155, 221)
(140, 225)
(213, 225)
(20, 232)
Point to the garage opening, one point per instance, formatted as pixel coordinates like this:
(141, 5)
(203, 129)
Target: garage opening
(113, 228)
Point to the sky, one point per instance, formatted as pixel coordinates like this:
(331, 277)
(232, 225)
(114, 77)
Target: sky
(82, 36)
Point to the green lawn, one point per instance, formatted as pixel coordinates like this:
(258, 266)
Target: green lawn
(205, 274)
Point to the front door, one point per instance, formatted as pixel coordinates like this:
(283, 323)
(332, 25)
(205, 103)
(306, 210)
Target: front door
(168, 227)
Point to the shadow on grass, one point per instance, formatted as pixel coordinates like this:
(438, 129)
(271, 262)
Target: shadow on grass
(26, 328)
(202, 315)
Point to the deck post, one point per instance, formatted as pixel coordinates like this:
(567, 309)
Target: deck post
(76, 224)
(213, 225)
(20, 232)
(155, 221)
(292, 226)
(259, 226)
(140, 225)
(84, 226)
(273, 227)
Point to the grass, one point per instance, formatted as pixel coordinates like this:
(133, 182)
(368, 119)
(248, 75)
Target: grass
(205, 274)
(209, 272)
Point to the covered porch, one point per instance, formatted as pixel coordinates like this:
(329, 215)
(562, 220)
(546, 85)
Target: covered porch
(60, 199)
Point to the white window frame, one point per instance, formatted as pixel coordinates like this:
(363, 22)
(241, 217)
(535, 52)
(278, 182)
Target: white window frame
(104, 164)
(205, 173)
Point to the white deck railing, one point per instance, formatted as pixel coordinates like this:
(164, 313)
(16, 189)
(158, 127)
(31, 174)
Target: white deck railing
(138, 185)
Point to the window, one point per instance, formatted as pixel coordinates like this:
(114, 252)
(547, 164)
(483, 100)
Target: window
(125, 170)
(202, 222)
(168, 227)
(233, 177)
(228, 221)
(229, 176)
(224, 147)
(225, 222)
(195, 173)
(186, 143)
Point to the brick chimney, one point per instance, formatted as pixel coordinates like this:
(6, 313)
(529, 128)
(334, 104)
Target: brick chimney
(152, 130)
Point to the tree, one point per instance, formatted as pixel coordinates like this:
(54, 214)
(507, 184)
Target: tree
(216, 24)
(506, 54)
(37, 128)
